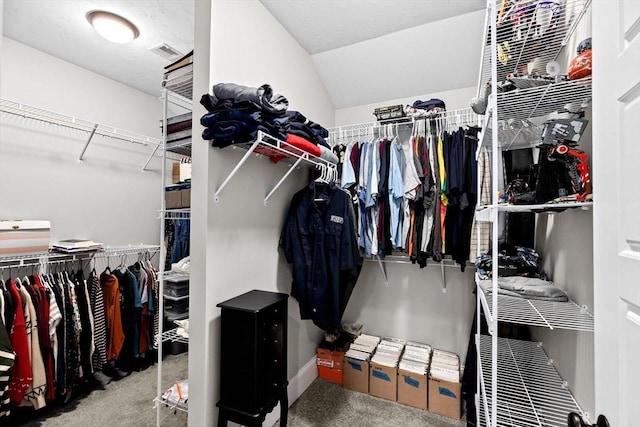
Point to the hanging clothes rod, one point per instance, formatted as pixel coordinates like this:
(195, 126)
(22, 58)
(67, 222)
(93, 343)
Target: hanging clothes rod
(467, 114)
(61, 120)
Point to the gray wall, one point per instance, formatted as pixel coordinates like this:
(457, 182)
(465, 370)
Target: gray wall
(105, 198)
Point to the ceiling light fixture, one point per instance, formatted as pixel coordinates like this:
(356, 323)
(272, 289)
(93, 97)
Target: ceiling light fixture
(112, 27)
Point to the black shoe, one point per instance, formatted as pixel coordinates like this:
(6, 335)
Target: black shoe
(575, 420)
(602, 421)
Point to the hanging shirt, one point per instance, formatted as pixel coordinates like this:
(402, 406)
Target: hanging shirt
(348, 177)
(7, 357)
(21, 374)
(319, 239)
(396, 192)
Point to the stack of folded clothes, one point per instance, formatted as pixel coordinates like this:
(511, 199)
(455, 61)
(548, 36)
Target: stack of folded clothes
(236, 113)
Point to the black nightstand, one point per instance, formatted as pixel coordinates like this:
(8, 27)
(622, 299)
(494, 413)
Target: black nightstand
(253, 374)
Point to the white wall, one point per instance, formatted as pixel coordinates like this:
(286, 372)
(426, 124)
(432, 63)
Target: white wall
(415, 305)
(454, 99)
(106, 197)
(449, 49)
(235, 241)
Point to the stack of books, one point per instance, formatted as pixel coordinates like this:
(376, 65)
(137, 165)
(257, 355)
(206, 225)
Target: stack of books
(76, 245)
(416, 358)
(445, 366)
(388, 352)
(178, 76)
(179, 129)
(363, 347)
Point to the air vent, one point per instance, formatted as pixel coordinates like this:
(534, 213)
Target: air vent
(166, 51)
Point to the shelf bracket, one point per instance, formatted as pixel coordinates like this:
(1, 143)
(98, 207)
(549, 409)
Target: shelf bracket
(86, 145)
(153, 153)
(286, 175)
(444, 278)
(216, 196)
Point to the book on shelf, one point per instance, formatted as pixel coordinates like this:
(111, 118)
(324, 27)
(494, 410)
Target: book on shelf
(177, 81)
(186, 59)
(177, 127)
(179, 72)
(75, 245)
(180, 118)
(175, 136)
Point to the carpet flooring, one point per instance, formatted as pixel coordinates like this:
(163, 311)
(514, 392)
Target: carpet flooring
(123, 403)
(129, 402)
(328, 404)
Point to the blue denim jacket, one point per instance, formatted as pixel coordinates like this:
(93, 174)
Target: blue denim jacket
(319, 239)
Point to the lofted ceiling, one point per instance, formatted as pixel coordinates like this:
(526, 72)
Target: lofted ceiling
(364, 50)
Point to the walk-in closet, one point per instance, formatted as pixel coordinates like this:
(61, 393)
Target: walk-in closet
(314, 213)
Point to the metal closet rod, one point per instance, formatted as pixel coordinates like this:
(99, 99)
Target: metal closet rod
(405, 259)
(405, 120)
(49, 117)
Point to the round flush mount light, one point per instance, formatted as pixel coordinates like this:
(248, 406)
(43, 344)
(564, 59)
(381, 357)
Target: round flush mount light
(112, 27)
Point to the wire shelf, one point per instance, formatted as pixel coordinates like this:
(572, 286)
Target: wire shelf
(564, 96)
(29, 112)
(49, 257)
(520, 40)
(182, 147)
(278, 151)
(546, 314)
(183, 213)
(540, 208)
(182, 85)
(530, 390)
(172, 335)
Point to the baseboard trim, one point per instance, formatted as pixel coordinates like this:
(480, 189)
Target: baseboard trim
(298, 384)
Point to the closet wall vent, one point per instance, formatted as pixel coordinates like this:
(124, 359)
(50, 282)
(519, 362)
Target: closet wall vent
(166, 51)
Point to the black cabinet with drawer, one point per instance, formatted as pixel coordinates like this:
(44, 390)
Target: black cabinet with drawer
(253, 374)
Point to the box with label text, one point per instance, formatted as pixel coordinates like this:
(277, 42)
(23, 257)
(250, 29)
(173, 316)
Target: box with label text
(383, 381)
(356, 375)
(330, 364)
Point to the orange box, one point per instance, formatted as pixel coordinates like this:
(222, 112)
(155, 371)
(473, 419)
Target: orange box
(330, 365)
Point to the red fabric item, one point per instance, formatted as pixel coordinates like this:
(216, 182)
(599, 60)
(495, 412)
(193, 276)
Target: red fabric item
(303, 144)
(294, 141)
(21, 374)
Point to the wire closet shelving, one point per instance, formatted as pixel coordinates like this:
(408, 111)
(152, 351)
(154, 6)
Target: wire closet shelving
(517, 383)
(84, 126)
(530, 393)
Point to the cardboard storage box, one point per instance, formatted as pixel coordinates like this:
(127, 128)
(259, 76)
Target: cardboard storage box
(178, 196)
(383, 381)
(181, 172)
(412, 389)
(173, 199)
(330, 365)
(444, 398)
(356, 375)
(23, 237)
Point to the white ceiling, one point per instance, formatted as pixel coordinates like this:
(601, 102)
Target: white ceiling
(364, 50)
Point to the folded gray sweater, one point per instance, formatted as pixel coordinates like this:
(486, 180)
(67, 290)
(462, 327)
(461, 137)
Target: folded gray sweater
(526, 287)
